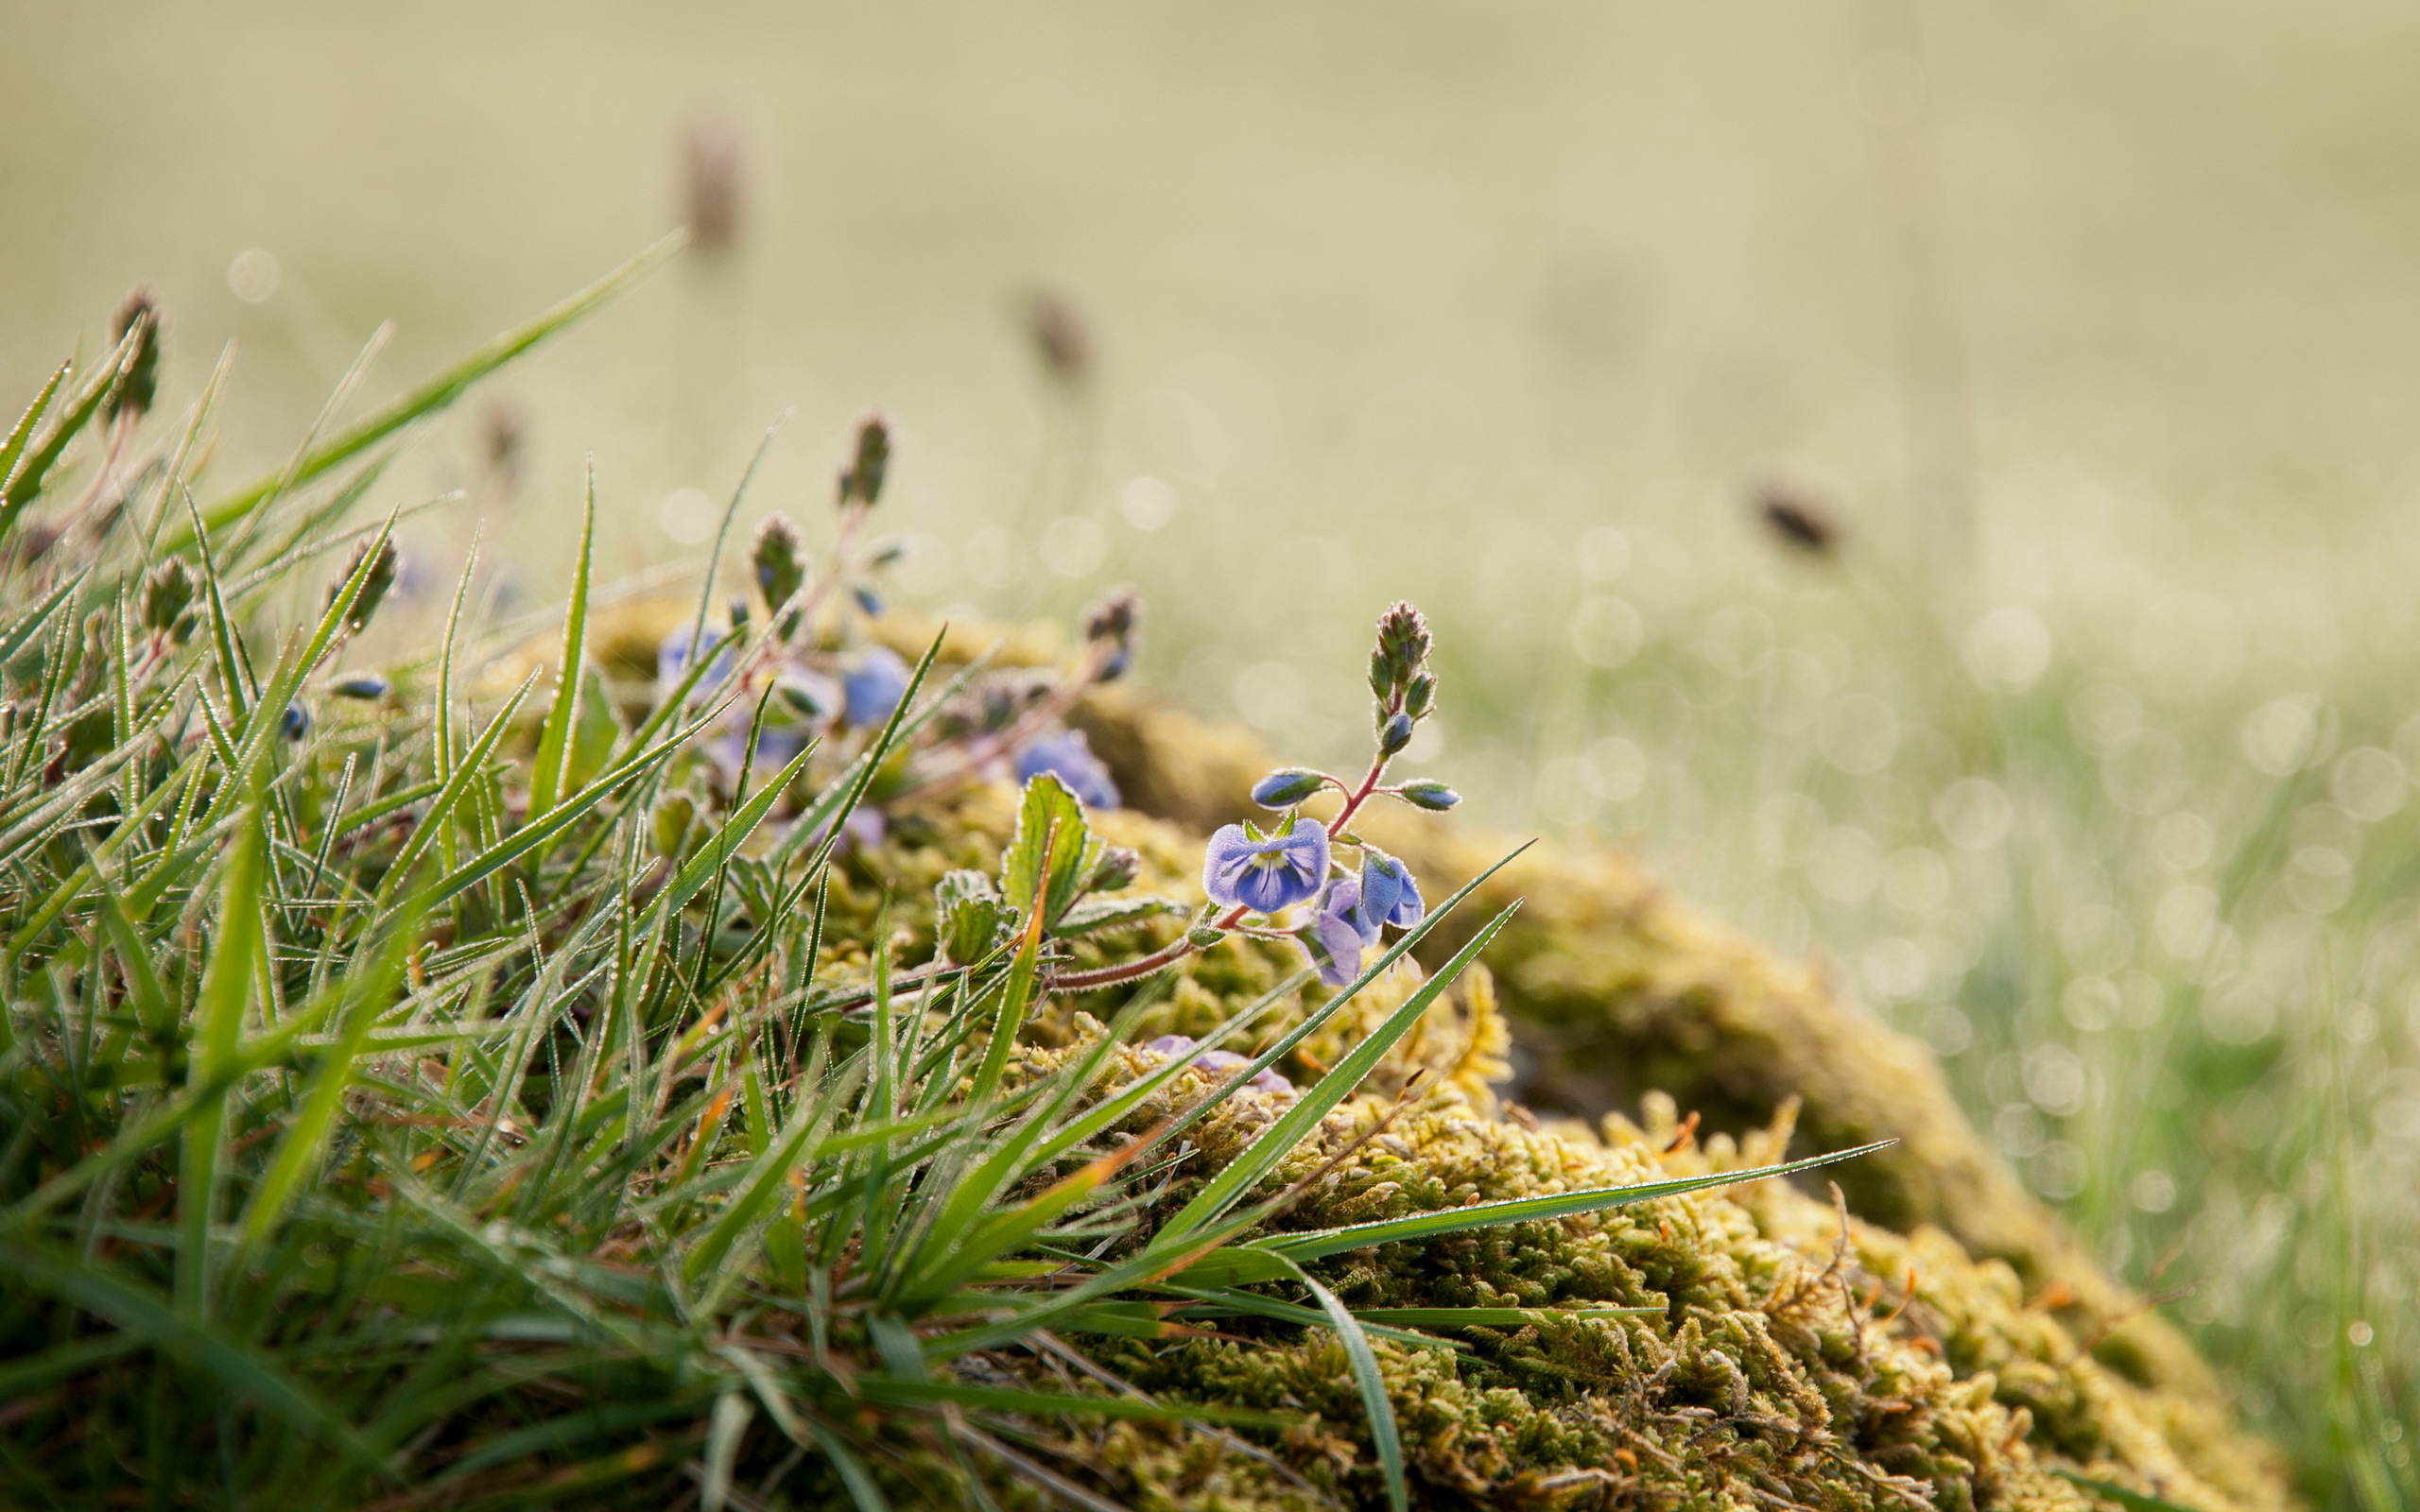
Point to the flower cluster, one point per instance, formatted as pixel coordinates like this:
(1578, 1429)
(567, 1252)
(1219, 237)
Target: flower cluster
(1295, 861)
(817, 668)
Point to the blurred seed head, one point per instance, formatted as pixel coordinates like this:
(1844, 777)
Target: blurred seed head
(861, 483)
(1113, 627)
(504, 439)
(375, 587)
(1062, 338)
(135, 393)
(167, 593)
(713, 186)
(1796, 518)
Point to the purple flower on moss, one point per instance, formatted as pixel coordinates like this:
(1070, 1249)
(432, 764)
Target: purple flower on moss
(1245, 868)
(1066, 755)
(1337, 937)
(873, 683)
(1388, 894)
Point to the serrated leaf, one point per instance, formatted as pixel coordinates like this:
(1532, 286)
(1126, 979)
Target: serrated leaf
(1050, 831)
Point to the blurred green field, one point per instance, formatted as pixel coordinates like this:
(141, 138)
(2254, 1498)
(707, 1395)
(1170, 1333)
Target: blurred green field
(1509, 312)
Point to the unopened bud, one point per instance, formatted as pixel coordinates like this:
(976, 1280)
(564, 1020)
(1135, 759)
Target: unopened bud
(1420, 696)
(779, 562)
(134, 391)
(1394, 734)
(1113, 629)
(1285, 787)
(167, 593)
(364, 687)
(1427, 793)
(862, 482)
(374, 587)
(1118, 866)
(1797, 520)
(295, 723)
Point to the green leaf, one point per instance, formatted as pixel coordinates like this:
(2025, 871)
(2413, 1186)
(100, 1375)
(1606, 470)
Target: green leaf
(1312, 1246)
(26, 480)
(14, 446)
(226, 991)
(1051, 833)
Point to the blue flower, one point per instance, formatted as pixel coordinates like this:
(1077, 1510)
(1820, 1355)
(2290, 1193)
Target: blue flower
(1066, 755)
(1389, 896)
(1337, 936)
(295, 723)
(1245, 868)
(873, 684)
(672, 659)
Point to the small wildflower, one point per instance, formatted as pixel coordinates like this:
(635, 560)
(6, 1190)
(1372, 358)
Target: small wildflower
(373, 587)
(365, 687)
(873, 685)
(779, 563)
(1113, 626)
(1226, 1063)
(134, 394)
(1429, 793)
(1243, 867)
(1338, 935)
(862, 482)
(1066, 755)
(1388, 894)
(295, 723)
(1285, 787)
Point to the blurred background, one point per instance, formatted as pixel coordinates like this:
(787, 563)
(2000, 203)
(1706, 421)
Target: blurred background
(1937, 480)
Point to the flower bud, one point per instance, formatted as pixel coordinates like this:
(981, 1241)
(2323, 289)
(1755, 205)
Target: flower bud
(373, 587)
(1429, 793)
(862, 482)
(167, 593)
(362, 687)
(867, 599)
(1285, 787)
(295, 723)
(1394, 734)
(133, 393)
(779, 562)
(1117, 869)
(738, 615)
(1420, 698)
(1113, 627)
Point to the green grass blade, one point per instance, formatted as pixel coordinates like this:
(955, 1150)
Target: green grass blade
(14, 445)
(851, 1470)
(1493, 1318)
(226, 991)
(554, 741)
(142, 1314)
(1372, 1385)
(1422, 1226)
(35, 465)
(440, 810)
(895, 1391)
(1278, 1139)
(443, 389)
(2132, 1500)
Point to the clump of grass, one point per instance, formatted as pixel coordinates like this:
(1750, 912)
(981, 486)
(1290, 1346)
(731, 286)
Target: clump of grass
(422, 1090)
